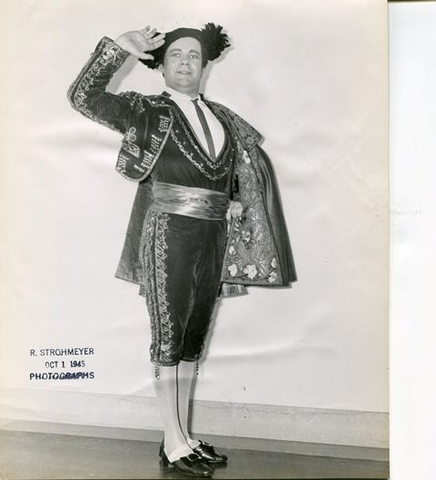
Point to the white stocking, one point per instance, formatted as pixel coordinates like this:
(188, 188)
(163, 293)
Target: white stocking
(167, 392)
(186, 373)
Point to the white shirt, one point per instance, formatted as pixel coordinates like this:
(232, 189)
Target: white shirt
(185, 104)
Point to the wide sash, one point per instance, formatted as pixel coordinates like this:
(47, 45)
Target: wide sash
(189, 201)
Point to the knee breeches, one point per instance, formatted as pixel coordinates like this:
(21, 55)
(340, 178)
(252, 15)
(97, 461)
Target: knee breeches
(182, 261)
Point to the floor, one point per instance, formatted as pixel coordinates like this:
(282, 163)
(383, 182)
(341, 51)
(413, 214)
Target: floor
(35, 456)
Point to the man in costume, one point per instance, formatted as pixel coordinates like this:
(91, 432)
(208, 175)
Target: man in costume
(197, 164)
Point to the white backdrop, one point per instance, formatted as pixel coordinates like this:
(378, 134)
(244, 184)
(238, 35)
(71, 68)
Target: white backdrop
(312, 78)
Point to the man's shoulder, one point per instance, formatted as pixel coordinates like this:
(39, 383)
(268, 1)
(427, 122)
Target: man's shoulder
(142, 102)
(220, 108)
(246, 132)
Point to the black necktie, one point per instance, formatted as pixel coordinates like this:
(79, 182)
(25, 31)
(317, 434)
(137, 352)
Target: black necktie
(206, 129)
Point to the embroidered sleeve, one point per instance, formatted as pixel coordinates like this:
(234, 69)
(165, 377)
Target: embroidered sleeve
(88, 93)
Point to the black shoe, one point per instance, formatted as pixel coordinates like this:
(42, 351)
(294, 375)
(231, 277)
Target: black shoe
(207, 453)
(191, 465)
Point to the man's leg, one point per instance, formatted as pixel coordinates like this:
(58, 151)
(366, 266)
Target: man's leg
(208, 283)
(169, 300)
(171, 245)
(167, 390)
(186, 373)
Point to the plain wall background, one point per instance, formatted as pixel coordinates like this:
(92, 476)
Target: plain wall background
(312, 77)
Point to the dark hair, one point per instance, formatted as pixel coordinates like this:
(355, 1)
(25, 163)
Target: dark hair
(211, 39)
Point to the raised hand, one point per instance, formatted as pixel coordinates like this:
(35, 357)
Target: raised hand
(139, 41)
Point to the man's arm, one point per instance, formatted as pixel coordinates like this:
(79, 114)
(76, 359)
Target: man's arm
(88, 93)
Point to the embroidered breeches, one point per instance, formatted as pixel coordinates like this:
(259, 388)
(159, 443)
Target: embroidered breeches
(182, 261)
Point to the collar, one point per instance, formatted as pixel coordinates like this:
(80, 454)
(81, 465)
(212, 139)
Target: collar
(181, 98)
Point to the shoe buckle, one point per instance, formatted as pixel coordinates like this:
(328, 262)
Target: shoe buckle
(193, 457)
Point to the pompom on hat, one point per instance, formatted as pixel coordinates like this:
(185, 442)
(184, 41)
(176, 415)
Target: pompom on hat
(213, 43)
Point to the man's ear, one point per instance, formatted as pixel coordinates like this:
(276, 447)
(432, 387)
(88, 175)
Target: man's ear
(161, 69)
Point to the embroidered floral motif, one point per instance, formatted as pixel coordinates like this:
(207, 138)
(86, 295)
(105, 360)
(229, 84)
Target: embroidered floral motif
(251, 250)
(272, 277)
(251, 271)
(154, 248)
(246, 236)
(233, 269)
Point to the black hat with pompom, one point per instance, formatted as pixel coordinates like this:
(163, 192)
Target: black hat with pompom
(213, 43)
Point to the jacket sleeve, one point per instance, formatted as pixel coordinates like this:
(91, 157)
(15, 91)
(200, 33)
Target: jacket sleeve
(88, 95)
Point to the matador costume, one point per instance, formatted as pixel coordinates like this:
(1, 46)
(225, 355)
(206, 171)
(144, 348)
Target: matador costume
(179, 247)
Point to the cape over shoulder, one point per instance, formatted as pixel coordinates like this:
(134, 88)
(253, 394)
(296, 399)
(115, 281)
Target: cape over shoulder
(258, 248)
(247, 134)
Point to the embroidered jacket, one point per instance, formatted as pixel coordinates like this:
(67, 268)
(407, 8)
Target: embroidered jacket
(258, 251)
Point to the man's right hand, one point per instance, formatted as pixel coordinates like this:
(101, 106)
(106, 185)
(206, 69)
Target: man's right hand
(139, 41)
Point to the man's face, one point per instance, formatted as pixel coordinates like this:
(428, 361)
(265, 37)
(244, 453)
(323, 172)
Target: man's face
(182, 66)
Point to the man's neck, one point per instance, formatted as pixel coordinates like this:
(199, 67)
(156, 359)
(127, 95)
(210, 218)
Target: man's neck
(178, 93)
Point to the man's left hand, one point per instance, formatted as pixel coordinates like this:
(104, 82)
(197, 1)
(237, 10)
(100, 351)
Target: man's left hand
(234, 211)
